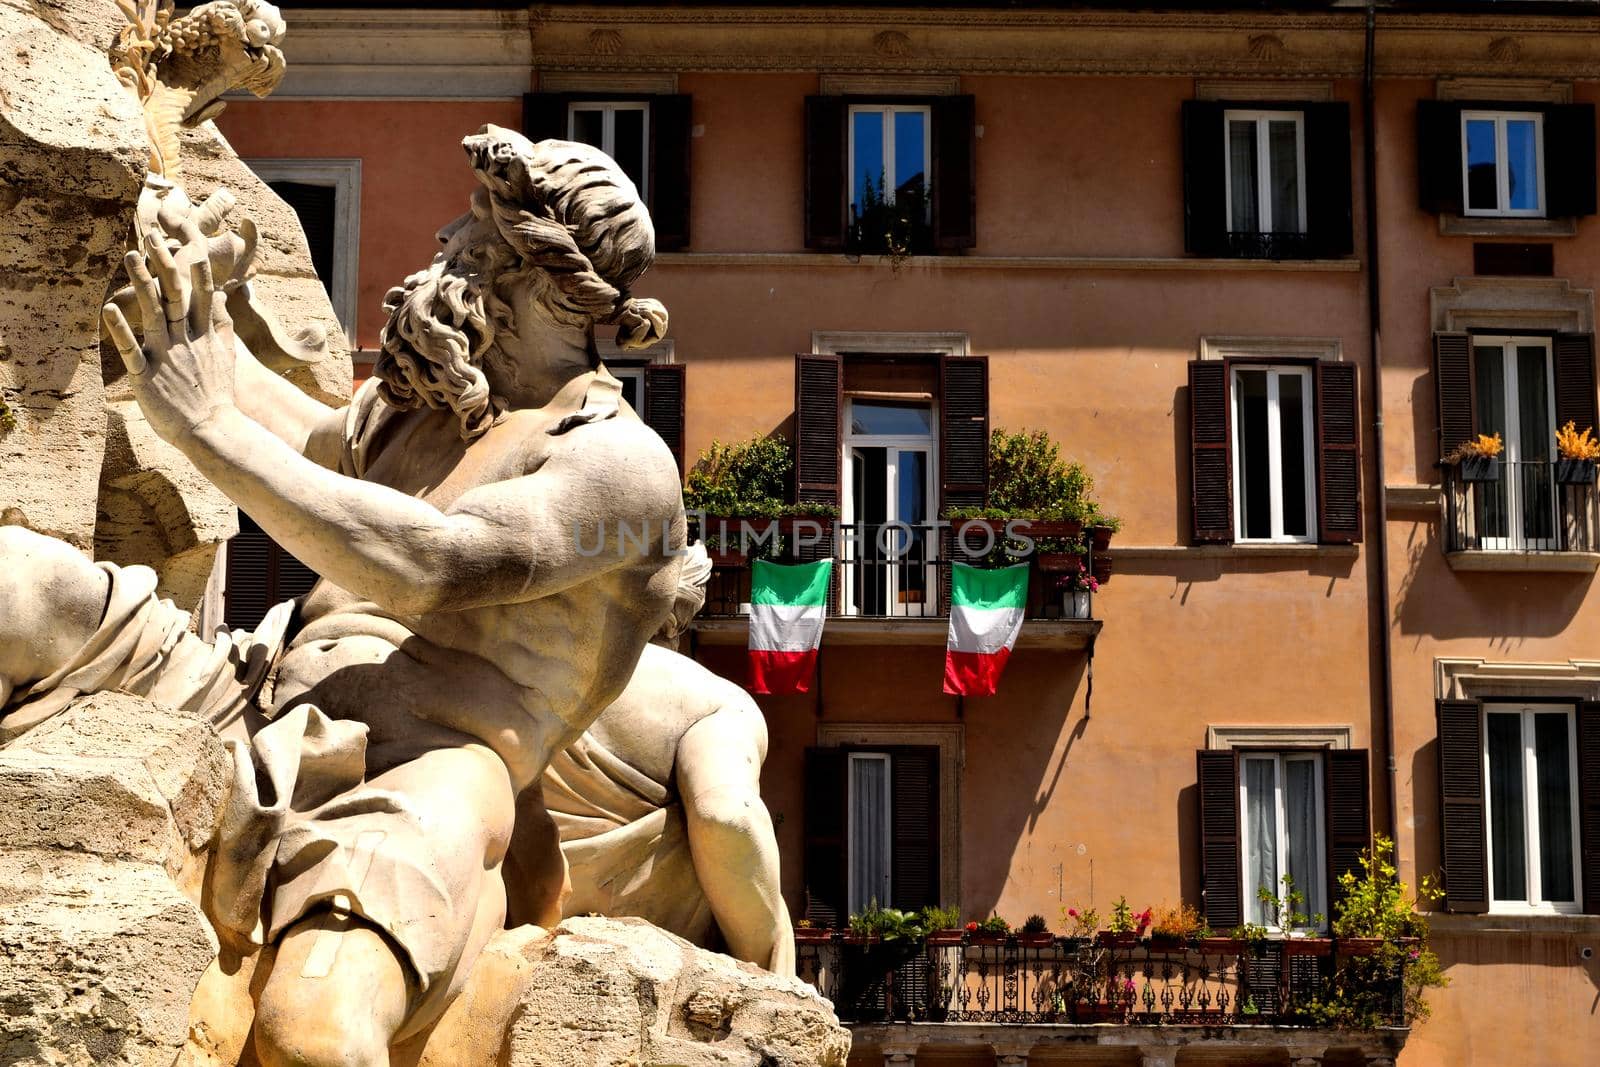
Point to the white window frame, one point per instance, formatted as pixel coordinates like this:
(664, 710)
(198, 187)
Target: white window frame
(1274, 372)
(1534, 904)
(888, 111)
(1264, 166)
(344, 175)
(928, 443)
(1517, 539)
(1502, 170)
(853, 888)
(608, 131)
(1312, 906)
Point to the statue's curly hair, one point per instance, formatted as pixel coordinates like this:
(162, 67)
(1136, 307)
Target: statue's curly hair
(570, 223)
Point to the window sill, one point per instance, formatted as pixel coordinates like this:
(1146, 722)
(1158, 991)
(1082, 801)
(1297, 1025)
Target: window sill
(1502, 226)
(1059, 634)
(1525, 562)
(1251, 550)
(959, 262)
(1446, 923)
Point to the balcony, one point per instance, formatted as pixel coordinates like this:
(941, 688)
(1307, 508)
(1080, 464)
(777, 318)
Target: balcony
(1521, 516)
(891, 583)
(1026, 993)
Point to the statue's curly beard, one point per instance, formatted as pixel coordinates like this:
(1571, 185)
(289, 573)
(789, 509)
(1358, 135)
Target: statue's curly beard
(434, 345)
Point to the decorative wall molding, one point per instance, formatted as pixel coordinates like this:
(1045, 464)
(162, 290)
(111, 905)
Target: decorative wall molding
(1271, 348)
(1278, 737)
(1263, 89)
(587, 81)
(949, 739)
(344, 175)
(664, 351)
(1535, 90)
(834, 342)
(810, 260)
(890, 85)
(1484, 226)
(1481, 679)
(1512, 304)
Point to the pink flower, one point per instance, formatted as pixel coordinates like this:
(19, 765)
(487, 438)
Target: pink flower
(972, 927)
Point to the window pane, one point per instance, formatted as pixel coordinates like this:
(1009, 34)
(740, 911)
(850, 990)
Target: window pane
(1293, 459)
(1481, 188)
(912, 475)
(1300, 803)
(1283, 150)
(1489, 374)
(1522, 160)
(910, 139)
(869, 839)
(870, 470)
(1535, 442)
(913, 486)
(1555, 806)
(1242, 176)
(888, 417)
(1506, 838)
(867, 181)
(1255, 483)
(1261, 836)
(629, 136)
(630, 389)
(588, 126)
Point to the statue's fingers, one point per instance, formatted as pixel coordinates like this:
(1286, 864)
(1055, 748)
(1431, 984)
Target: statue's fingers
(122, 336)
(172, 282)
(145, 291)
(200, 296)
(213, 212)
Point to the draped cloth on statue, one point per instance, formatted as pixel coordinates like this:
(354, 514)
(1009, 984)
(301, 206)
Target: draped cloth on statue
(625, 840)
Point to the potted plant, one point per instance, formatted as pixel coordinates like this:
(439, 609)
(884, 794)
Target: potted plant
(1035, 932)
(736, 492)
(943, 926)
(1172, 929)
(1081, 926)
(805, 933)
(1126, 927)
(1478, 459)
(991, 931)
(1576, 453)
(1076, 588)
(1300, 930)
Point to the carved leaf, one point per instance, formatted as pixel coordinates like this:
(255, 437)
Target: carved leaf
(163, 114)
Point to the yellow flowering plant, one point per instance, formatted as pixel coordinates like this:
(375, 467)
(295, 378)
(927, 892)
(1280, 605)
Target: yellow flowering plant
(1574, 445)
(1487, 446)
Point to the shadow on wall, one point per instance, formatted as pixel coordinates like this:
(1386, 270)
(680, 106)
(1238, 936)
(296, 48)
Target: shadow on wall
(1427, 853)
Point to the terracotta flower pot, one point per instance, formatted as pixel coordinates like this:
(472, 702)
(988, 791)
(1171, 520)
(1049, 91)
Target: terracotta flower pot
(1058, 562)
(1043, 940)
(1101, 536)
(1307, 946)
(812, 936)
(1575, 471)
(1108, 939)
(945, 938)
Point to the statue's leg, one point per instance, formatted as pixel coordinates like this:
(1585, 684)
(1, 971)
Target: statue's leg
(51, 601)
(730, 835)
(337, 995)
(537, 882)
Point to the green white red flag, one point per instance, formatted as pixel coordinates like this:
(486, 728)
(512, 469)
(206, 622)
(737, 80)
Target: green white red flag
(787, 607)
(986, 608)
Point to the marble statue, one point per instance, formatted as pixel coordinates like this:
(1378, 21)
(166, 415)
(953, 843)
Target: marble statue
(659, 810)
(465, 631)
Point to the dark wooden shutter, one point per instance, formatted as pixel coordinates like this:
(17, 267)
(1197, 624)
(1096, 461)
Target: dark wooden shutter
(1205, 218)
(914, 863)
(671, 124)
(955, 173)
(1452, 379)
(1463, 835)
(544, 116)
(664, 392)
(963, 432)
(316, 208)
(1349, 816)
(1338, 453)
(827, 798)
(1439, 175)
(827, 156)
(1575, 385)
(258, 575)
(1210, 451)
(818, 403)
(1569, 160)
(1220, 879)
(1328, 225)
(1589, 803)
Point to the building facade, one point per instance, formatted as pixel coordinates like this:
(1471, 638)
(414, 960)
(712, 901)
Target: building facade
(1262, 272)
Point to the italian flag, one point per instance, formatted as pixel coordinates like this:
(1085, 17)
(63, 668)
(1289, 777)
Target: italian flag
(787, 608)
(985, 617)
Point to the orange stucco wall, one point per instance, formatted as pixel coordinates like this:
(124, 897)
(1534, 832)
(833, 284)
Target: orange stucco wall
(1061, 801)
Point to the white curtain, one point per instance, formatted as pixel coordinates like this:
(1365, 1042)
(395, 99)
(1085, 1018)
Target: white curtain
(869, 831)
(1261, 835)
(1300, 802)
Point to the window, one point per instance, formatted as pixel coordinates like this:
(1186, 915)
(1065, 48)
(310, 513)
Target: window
(1503, 162)
(656, 392)
(1514, 396)
(1280, 797)
(1531, 806)
(325, 195)
(871, 827)
(889, 166)
(1265, 171)
(258, 575)
(889, 491)
(1274, 483)
(619, 129)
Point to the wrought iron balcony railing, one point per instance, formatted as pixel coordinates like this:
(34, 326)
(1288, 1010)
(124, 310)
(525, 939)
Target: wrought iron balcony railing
(1529, 506)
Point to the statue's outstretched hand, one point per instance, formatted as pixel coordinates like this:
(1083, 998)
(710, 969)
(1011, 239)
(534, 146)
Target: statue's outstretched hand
(184, 371)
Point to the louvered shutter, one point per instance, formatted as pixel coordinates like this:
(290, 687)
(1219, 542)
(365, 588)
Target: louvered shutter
(1589, 803)
(1349, 815)
(1205, 219)
(316, 208)
(1452, 379)
(963, 432)
(664, 392)
(827, 800)
(1575, 384)
(1328, 224)
(914, 863)
(826, 159)
(671, 126)
(1210, 451)
(1439, 175)
(544, 116)
(247, 587)
(1220, 878)
(818, 405)
(1463, 834)
(1569, 160)
(955, 174)
(1338, 453)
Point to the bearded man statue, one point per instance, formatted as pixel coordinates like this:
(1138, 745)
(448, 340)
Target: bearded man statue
(465, 630)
